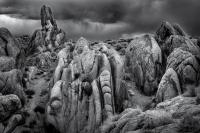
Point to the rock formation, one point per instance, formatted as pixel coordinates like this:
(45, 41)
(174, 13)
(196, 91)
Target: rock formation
(9, 105)
(50, 36)
(144, 61)
(175, 115)
(145, 83)
(11, 83)
(9, 50)
(181, 55)
(12, 94)
(87, 78)
(8, 44)
(169, 86)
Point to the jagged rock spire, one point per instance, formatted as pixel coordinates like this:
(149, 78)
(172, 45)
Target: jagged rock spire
(167, 29)
(46, 14)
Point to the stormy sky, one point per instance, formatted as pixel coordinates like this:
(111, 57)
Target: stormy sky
(101, 19)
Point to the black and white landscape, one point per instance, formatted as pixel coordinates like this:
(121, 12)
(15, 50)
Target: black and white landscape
(99, 66)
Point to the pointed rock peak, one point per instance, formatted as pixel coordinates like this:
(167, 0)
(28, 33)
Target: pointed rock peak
(165, 23)
(5, 33)
(46, 14)
(165, 31)
(82, 42)
(166, 27)
(179, 30)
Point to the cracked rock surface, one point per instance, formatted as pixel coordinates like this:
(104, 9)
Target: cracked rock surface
(147, 83)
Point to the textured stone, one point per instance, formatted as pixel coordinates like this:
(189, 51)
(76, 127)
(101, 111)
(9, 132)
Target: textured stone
(179, 30)
(106, 89)
(14, 121)
(107, 97)
(186, 66)
(7, 63)
(166, 30)
(11, 48)
(9, 104)
(133, 120)
(177, 41)
(175, 115)
(50, 37)
(169, 86)
(173, 105)
(86, 77)
(46, 14)
(63, 60)
(143, 59)
(80, 45)
(11, 83)
(117, 69)
(37, 42)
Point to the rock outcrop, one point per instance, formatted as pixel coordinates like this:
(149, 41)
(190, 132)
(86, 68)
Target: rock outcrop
(50, 36)
(9, 104)
(8, 44)
(9, 51)
(186, 66)
(7, 63)
(166, 30)
(175, 115)
(144, 61)
(85, 83)
(169, 86)
(12, 94)
(11, 83)
(182, 55)
(144, 83)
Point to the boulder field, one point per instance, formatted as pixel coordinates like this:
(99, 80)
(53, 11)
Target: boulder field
(147, 83)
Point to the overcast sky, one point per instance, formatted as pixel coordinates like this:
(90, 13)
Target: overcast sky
(101, 19)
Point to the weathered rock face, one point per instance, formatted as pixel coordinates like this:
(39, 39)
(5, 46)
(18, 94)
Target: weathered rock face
(8, 44)
(82, 85)
(118, 71)
(64, 57)
(166, 30)
(181, 53)
(93, 83)
(171, 36)
(12, 94)
(169, 86)
(119, 45)
(176, 41)
(166, 117)
(50, 36)
(9, 104)
(37, 42)
(84, 120)
(14, 121)
(135, 120)
(186, 66)
(46, 14)
(9, 51)
(6, 63)
(144, 59)
(11, 83)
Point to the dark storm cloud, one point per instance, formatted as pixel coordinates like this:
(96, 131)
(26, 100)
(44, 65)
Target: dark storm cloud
(106, 11)
(186, 13)
(127, 16)
(20, 8)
